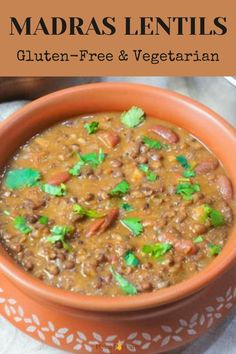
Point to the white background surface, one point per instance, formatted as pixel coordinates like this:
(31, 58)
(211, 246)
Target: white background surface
(219, 95)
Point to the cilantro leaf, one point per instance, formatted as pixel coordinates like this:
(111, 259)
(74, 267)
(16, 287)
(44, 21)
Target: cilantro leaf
(157, 250)
(120, 189)
(93, 158)
(76, 169)
(183, 161)
(59, 233)
(130, 259)
(126, 207)
(151, 176)
(198, 239)
(57, 191)
(214, 249)
(188, 169)
(78, 209)
(186, 190)
(151, 143)
(20, 223)
(133, 224)
(133, 117)
(22, 177)
(189, 173)
(204, 213)
(43, 220)
(123, 283)
(91, 127)
(215, 216)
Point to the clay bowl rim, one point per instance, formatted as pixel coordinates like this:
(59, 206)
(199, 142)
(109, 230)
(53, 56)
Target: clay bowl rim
(174, 293)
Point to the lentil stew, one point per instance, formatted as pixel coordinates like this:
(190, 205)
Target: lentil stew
(114, 204)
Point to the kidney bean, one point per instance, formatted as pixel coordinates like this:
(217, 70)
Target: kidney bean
(165, 133)
(186, 247)
(225, 188)
(109, 138)
(226, 211)
(206, 166)
(103, 224)
(58, 178)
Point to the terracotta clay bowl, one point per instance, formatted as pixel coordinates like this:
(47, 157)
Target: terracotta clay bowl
(146, 323)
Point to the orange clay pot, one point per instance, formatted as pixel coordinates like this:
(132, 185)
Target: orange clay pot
(146, 323)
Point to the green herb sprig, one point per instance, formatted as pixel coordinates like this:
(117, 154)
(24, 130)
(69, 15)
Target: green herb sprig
(58, 234)
(91, 127)
(133, 117)
(120, 189)
(123, 283)
(22, 177)
(79, 209)
(151, 176)
(134, 225)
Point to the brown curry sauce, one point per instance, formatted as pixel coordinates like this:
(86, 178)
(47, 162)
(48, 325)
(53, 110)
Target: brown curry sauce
(169, 219)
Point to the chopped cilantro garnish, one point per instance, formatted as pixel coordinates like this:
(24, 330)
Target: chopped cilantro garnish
(133, 117)
(133, 224)
(91, 127)
(189, 173)
(151, 176)
(23, 177)
(151, 143)
(93, 158)
(198, 239)
(57, 191)
(20, 224)
(183, 161)
(78, 209)
(215, 216)
(188, 169)
(130, 259)
(76, 169)
(157, 250)
(58, 234)
(186, 190)
(126, 207)
(43, 220)
(214, 249)
(123, 283)
(120, 189)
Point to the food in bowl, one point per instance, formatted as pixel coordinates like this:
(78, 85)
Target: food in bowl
(115, 204)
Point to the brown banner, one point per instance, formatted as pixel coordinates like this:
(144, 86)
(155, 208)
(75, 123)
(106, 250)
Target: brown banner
(94, 38)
